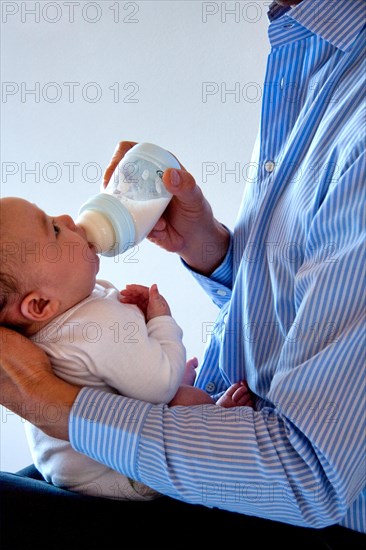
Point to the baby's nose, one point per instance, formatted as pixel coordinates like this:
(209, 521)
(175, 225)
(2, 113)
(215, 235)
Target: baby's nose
(68, 221)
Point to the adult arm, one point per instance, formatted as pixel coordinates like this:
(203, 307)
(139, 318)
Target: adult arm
(28, 385)
(300, 457)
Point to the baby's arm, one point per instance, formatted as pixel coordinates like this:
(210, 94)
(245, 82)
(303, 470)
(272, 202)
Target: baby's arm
(139, 359)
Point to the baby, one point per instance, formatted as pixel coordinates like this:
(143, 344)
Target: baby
(123, 342)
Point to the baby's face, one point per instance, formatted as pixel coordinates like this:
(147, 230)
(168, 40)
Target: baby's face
(51, 251)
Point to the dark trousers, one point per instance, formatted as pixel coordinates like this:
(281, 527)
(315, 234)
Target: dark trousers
(36, 515)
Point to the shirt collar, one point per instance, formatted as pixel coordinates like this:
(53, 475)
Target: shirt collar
(275, 11)
(336, 21)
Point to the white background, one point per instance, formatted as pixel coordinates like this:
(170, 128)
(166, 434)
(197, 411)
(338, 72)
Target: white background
(77, 77)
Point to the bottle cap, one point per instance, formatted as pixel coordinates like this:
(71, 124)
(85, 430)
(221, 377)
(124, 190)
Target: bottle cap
(155, 154)
(107, 223)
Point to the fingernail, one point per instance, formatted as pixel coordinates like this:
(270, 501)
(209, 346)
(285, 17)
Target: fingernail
(174, 178)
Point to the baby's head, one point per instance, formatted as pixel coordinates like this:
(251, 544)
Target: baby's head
(47, 265)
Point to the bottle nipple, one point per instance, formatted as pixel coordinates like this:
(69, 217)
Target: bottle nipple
(107, 224)
(99, 230)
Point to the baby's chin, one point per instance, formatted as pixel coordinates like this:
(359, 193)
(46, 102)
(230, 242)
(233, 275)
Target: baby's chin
(288, 2)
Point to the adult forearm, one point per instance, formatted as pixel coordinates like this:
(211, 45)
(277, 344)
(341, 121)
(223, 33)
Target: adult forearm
(47, 404)
(208, 249)
(188, 226)
(29, 388)
(215, 451)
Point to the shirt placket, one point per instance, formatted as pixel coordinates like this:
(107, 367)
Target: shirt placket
(281, 98)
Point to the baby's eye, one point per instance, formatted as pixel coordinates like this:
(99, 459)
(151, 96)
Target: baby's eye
(56, 228)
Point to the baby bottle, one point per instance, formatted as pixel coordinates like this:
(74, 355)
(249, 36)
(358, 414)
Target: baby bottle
(125, 211)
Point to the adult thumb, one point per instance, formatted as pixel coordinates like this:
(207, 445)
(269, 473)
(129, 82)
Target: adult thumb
(180, 183)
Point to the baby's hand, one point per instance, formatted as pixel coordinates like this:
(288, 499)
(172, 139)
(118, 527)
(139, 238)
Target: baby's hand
(190, 372)
(238, 395)
(157, 304)
(149, 300)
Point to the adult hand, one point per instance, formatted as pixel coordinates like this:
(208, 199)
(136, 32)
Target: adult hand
(29, 388)
(187, 226)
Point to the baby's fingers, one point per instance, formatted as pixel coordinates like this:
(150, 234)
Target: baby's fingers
(134, 292)
(135, 289)
(241, 395)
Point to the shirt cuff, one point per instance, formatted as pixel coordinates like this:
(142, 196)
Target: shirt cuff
(107, 428)
(218, 285)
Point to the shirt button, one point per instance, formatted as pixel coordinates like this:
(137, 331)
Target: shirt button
(221, 292)
(210, 387)
(269, 166)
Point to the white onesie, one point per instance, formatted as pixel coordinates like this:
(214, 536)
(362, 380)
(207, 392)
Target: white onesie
(103, 343)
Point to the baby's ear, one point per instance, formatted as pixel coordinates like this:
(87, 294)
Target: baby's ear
(37, 308)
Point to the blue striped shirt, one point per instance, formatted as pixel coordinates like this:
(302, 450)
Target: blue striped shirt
(291, 293)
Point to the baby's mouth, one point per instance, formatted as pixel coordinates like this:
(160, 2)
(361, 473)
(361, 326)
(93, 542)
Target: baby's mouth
(93, 247)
